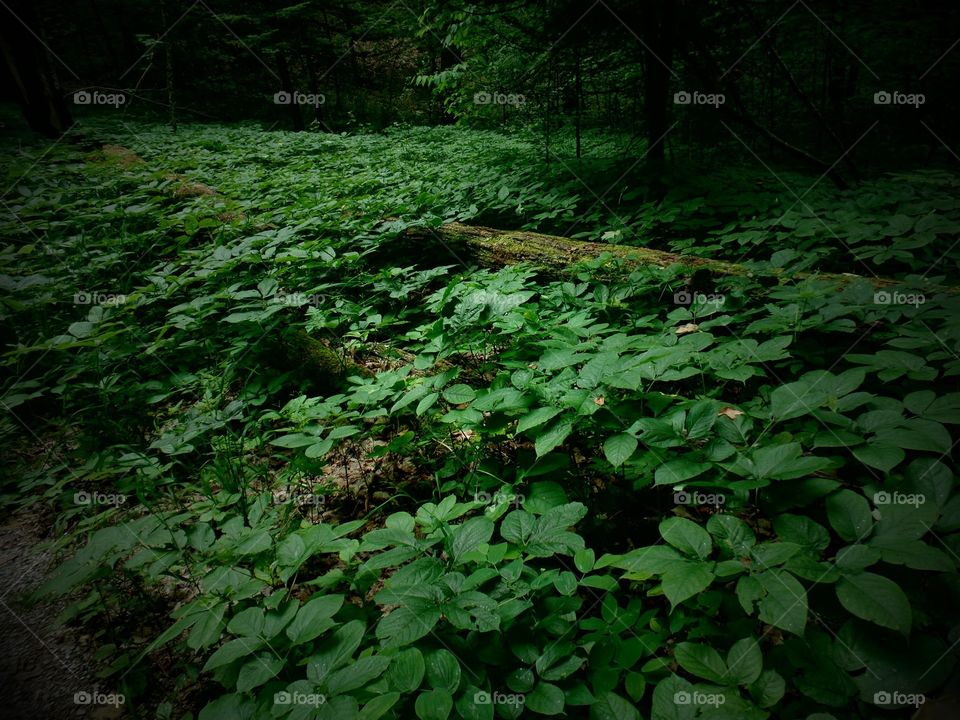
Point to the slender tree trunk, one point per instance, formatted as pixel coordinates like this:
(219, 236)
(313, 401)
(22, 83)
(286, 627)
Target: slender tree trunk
(168, 61)
(579, 92)
(287, 86)
(37, 91)
(658, 27)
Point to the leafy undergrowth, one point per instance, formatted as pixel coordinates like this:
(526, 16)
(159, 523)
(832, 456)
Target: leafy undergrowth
(312, 476)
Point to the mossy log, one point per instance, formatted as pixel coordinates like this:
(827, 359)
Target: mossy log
(313, 361)
(554, 254)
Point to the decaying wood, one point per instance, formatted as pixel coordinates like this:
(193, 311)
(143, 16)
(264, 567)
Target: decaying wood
(497, 248)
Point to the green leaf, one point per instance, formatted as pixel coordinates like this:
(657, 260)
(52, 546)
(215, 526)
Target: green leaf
(618, 448)
(610, 706)
(310, 621)
(357, 674)
(443, 670)
(877, 599)
(335, 650)
(679, 470)
(434, 705)
(537, 417)
(744, 662)
(784, 604)
(553, 436)
(701, 660)
(584, 560)
(426, 403)
(769, 688)
(849, 515)
(686, 536)
(469, 536)
(459, 394)
(378, 706)
(256, 672)
(407, 670)
(882, 456)
(230, 651)
(546, 699)
(686, 579)
(405, 625)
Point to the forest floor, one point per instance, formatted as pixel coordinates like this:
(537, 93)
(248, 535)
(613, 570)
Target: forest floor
(44, 664)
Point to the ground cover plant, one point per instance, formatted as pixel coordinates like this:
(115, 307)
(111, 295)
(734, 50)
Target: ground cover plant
(300, 452)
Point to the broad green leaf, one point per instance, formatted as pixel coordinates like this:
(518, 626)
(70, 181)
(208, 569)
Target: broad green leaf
(545, 699)
(553, 436)
(701, 660)
(744, 662)
(443, 670)
(784, 603)
(459, 394)
(618, 448)
(877, 599)
(686, 536)
(849, 514)
(610, 706)
(686, 579)
(434, 705)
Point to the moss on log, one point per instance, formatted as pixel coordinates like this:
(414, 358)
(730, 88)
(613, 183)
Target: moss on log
(554, 254)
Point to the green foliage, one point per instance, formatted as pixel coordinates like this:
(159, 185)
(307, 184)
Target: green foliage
(523, 496)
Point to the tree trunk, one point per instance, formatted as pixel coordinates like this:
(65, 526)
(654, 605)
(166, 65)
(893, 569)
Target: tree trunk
(554, 254)
(37, 91)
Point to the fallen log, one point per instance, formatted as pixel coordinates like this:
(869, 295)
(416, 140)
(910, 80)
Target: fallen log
(489, 247)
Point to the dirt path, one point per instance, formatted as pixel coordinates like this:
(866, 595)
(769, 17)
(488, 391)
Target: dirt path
(43, 666)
